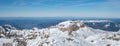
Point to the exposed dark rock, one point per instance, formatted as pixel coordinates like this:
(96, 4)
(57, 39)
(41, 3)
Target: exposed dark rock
(7, 44)
(108, 45)
(92, 40)
(69, 39)
(114, 37)
(21, 43)
(72, 28)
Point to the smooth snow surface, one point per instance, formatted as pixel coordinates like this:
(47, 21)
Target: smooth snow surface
(55, 36)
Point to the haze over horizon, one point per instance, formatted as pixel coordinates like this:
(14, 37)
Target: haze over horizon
(60, 8)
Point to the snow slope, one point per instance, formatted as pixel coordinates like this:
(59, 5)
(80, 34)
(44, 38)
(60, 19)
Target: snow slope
(68, 33)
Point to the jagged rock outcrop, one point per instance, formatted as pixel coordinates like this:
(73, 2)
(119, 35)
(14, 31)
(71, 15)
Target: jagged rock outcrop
(70, 26)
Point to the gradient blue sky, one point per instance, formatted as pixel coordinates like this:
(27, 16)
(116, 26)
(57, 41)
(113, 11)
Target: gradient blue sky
(60, 8)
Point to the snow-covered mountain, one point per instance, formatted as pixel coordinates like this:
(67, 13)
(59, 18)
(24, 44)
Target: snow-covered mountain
(67, 33)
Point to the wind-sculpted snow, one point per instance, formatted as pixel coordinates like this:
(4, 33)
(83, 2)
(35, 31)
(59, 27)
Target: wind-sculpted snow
(68, 33)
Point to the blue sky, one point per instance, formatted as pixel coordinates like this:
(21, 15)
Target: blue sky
(60, 8)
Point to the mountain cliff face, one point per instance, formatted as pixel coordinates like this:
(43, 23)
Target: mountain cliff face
(68, 33)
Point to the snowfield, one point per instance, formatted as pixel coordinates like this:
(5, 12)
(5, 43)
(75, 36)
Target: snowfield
(68, 33)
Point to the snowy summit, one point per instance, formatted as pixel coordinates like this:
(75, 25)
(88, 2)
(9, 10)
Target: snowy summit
(68, 33)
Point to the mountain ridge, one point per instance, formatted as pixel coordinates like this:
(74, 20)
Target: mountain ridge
(67, 33)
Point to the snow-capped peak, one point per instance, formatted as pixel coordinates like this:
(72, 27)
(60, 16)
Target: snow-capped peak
(70, 23)
(67, 33)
